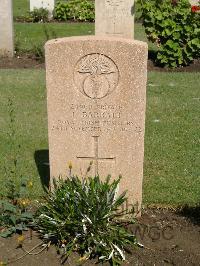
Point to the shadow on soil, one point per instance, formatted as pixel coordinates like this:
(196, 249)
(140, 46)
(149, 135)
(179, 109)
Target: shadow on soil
(192, 213)
(42, 162)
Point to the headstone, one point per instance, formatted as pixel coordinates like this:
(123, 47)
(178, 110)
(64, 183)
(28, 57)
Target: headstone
(96, 108)
(114, 18)
(6, 28)
(48, 4)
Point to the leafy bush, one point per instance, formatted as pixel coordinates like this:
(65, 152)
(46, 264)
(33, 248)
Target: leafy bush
(78, 10)
(175, 29)
(84, 216)
(39, 15)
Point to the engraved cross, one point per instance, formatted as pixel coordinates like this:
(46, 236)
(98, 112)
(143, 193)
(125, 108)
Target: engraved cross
(96, 157)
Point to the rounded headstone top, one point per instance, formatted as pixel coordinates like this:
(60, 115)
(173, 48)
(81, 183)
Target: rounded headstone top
(96, 38)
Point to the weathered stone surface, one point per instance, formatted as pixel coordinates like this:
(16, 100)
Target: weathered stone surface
(48, 4)
(96, 108)
(114, 18)
(6, 28)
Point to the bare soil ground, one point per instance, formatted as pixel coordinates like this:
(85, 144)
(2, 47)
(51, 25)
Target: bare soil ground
(166, 238)
(29, 61)
(20, 62)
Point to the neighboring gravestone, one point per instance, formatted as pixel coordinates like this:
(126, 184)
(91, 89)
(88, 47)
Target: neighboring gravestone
(6, 28)
(114, 18)
(96, 108)
(48, 4)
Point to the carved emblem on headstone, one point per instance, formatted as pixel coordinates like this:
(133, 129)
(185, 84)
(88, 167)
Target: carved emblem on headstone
(96, 75)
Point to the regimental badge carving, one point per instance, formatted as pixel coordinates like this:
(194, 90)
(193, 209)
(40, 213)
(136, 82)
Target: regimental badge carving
(96, 75)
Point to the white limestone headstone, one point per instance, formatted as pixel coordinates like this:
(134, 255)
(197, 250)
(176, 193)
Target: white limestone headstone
(114, 18)
(96, 94)
(6, 28)
(48, 4)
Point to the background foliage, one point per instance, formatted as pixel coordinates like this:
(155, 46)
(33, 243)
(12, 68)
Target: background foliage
(175, 29)
(78, 10)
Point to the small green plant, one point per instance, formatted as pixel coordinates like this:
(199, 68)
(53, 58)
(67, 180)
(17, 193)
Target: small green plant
(38, 51)
(77, 10)
(38, 48)
(14, 215)
(39, 15)
(175, 28)
(14, 218)
(86, 216)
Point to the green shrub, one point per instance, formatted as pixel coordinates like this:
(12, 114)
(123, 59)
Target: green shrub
(86, 216)
(77, 10)
(175, 29)
(39, 15)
